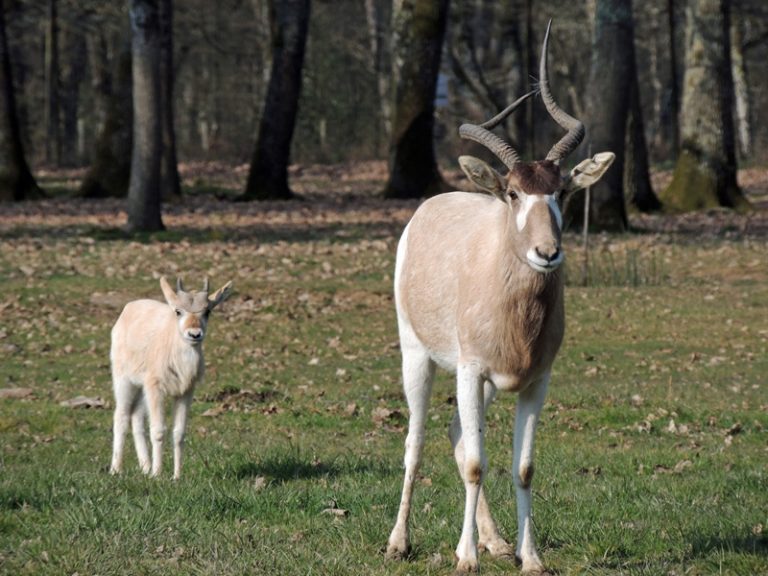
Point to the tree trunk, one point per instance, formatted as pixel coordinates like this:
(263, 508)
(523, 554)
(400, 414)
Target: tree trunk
(705, 173)
(144, 189)
(373, 19)
(110, 171)
(418, 32)
(674, 90)
(740, 83)
(637, 181)
(53, 139)
(16, 181)
(608, 95)
(170, 183)
(74, 73)
(268, 176)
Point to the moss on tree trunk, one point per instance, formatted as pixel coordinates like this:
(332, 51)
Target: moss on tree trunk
(698, 184)
(705, 173)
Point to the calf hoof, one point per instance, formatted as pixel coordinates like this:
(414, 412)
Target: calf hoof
(499, 548)
(533, 567)
(398, 550)
(467, 567)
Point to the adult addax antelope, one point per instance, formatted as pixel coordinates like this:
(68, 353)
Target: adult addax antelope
(479, 291)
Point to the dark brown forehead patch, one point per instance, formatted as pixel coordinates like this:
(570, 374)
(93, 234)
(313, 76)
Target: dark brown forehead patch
(535, 177)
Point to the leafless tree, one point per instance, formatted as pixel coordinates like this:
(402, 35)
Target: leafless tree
(268, 176)
(418, 32)
(144, 189)
(705, 173)
(16, 180)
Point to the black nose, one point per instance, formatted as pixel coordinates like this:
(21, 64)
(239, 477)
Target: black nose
(548, 257)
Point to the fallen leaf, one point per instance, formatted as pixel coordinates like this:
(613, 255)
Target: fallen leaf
(338, 512)
(83, 402)
(15, 392)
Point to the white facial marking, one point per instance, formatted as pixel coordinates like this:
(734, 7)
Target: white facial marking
(526, 203)
(555, 210)
(528, 200)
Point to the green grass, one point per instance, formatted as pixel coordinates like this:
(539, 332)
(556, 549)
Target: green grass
(651, 452)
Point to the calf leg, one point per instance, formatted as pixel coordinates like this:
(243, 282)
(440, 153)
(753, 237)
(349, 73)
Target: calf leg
(180, 414)
(488, 534)
(418, 373)
(154, 401)
(138, 414)
(125, 396)
(529, 406)
(469, 396)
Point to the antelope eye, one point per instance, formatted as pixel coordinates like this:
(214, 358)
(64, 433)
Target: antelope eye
(178, 312)
(512, 195)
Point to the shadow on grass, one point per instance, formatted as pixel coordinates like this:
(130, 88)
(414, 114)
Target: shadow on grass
(753, 544)
(291, 466)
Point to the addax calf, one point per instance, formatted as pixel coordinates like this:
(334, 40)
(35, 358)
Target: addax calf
(157, 351)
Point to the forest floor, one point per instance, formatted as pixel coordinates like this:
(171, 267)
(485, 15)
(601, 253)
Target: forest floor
(651, 448)
(352, 186)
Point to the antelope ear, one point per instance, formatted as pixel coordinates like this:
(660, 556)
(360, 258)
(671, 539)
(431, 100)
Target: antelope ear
(483, 176)
(589, 171)
(170, 295)
(220, 295)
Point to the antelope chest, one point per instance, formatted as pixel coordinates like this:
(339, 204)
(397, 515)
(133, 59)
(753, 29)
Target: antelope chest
(518, 346)
(183, 372)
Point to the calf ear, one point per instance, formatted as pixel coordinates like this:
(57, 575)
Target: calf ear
(220, 295)
(170, 295)
(589, 171)
(483, 176)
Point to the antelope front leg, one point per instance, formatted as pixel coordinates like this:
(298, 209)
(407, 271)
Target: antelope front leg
(180, 414)
(488, 534)
(154, 400)
(418, 372)
(529, 406)
(469, 397)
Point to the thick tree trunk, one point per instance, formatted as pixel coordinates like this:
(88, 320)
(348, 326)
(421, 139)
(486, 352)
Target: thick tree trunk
(611, 78)
(170, 183)
(705, 173)
(637, 180)
(144, 190)
(268, 176)
(110, 171)
(418, 32)
(16, 181)
(52, 140)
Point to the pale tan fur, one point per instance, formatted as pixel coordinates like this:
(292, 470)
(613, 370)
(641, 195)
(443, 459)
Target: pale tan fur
(479, 291)
(147, 347)
(474, 296)
(157, 352)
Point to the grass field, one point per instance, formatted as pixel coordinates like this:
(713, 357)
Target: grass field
(651, 452)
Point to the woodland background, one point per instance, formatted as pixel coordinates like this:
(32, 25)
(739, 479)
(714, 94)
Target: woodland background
(652, 444)
(70, 63)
